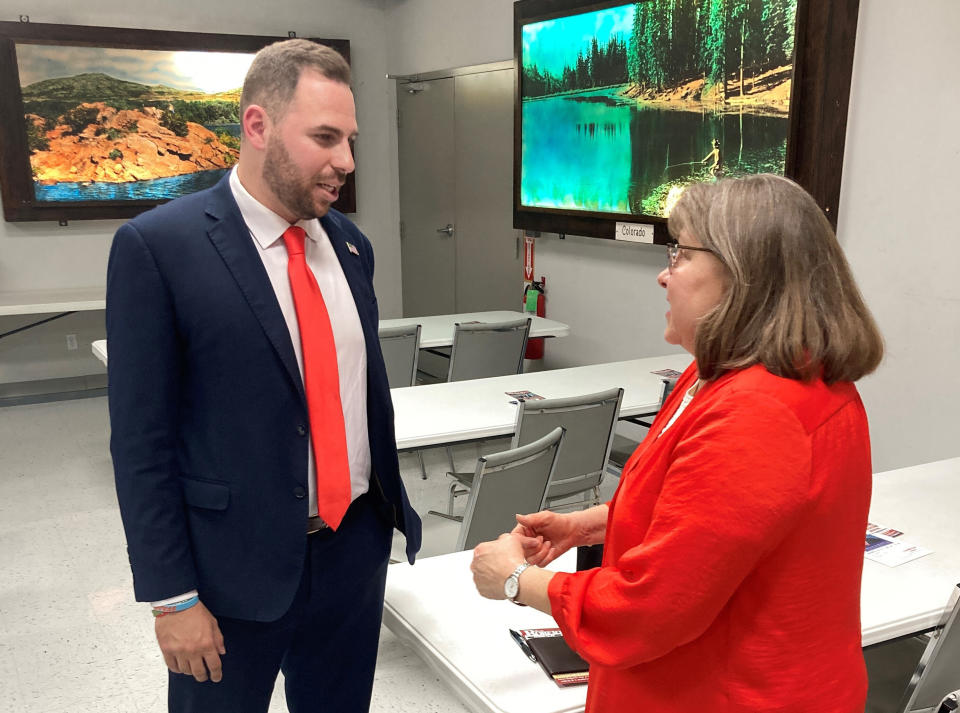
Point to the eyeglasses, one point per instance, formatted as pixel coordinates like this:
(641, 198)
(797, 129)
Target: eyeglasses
(674, 250)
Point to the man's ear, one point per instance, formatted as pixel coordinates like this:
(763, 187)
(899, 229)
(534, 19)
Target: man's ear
(256, 126)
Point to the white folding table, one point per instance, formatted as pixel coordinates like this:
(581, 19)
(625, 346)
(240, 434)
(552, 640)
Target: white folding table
(59, 303)
(435, 331)
(455, 412)
(43, 301)
(434, 608)
(919, 501)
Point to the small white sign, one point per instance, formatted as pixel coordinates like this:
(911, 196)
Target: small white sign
(635, 232)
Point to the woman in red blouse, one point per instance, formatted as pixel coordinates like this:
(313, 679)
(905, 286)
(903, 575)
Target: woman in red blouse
(733, 546)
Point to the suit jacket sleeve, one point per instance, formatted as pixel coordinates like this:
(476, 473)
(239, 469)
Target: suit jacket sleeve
(144, 384)
(736, 484)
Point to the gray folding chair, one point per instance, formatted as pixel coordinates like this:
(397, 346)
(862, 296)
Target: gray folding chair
(401, 349)
(485, 349)
(937, 676)
(589, 421)
(622, 447)
(488, 349)
(504, 484)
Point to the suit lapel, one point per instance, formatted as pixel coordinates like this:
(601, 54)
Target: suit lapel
(351, 264)
(231, 237)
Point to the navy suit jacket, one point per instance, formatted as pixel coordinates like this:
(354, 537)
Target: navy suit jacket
(207, 409)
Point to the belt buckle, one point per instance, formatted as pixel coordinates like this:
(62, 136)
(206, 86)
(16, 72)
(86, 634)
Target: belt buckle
(315, 524)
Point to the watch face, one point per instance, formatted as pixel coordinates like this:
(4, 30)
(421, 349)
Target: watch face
(511, 586)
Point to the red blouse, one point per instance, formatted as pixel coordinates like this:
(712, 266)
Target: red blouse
(734, 547)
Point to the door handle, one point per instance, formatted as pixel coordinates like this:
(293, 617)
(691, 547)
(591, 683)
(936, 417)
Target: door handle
(448, 230)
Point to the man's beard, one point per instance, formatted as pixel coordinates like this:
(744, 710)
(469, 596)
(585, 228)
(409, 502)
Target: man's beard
(296, 194)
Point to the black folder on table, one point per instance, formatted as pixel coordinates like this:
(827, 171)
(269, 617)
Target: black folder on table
(558, 659)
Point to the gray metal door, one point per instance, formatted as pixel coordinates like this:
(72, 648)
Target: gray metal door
(456, 176)
(489, 271)
(427, 198)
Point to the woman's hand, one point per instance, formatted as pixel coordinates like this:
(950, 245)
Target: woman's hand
(493, 562)
(546, 535)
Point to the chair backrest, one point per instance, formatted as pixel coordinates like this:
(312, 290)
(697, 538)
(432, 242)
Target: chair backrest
(401, 349)
(589, 420)
(488, 349)
(938, 672)
(507, 483)
(668, 385)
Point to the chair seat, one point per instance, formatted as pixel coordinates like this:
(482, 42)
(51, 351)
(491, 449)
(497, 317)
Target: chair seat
(458, 478)
(937, 674)
(502, 484)
(589, 420)
(462, 478)
(622, 449)
(560, 489)
(439, 538)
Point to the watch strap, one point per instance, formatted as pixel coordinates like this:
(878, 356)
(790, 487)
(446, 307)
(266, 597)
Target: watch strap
(516, 576)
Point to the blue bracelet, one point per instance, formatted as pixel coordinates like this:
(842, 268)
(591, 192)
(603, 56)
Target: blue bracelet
(176, 607)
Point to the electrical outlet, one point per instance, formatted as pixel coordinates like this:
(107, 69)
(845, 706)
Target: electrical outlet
(72, 342)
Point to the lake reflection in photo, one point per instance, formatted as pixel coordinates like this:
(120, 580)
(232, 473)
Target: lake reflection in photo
(153, 189)
(599, 151)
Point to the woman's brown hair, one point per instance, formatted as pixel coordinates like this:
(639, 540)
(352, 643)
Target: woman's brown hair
(791, 303)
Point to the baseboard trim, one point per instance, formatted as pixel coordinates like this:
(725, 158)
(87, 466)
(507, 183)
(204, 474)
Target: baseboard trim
(47, 390)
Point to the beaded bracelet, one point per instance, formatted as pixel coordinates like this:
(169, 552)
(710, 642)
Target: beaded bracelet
(177, 607)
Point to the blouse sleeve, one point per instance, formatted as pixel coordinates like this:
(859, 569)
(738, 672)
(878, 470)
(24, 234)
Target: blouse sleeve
(738, 480)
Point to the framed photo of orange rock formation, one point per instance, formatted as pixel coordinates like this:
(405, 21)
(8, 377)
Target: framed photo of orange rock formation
(102, 122)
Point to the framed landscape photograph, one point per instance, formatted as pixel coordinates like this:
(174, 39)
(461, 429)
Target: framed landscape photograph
(620, 106)
(107, 122)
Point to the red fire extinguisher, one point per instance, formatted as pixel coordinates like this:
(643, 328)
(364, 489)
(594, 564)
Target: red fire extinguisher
(535, 301)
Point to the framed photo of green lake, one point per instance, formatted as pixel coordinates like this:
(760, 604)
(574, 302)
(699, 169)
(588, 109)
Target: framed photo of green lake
(102, 122)
(620, 106)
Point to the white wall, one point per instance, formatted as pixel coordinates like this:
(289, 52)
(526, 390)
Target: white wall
(898, 224)
(44, 255)
(607, 292)
(427, 35)
(899, 186)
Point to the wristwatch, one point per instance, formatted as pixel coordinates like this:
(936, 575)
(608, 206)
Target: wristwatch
(511, 587)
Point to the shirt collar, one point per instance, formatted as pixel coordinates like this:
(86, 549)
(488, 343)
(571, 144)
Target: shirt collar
(266, 226)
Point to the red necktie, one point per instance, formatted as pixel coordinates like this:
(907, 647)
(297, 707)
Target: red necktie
(321, 381)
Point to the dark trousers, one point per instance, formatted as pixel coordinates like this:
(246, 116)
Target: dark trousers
(326, 643)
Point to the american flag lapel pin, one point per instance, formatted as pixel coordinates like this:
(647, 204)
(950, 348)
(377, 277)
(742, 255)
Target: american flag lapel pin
(353, 248)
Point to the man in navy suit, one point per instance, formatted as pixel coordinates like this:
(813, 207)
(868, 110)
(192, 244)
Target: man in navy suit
(215, 455)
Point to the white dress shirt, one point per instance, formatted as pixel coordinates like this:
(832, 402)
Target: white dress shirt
(266, 230)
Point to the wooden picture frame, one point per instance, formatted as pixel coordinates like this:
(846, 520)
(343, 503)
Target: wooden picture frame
(824, 37)
(90, 136)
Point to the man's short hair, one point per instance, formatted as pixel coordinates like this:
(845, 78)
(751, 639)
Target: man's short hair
(273, 76)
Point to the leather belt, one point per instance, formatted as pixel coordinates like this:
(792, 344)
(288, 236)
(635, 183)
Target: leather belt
(315, 523)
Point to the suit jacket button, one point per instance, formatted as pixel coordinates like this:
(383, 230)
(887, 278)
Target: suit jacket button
(301, 429)
(299, 493)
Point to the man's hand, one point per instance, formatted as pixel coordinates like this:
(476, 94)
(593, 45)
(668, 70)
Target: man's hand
(191, 643)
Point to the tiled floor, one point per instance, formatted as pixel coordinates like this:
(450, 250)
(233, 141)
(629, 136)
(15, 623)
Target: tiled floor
(72, 638)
